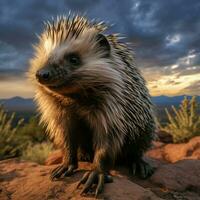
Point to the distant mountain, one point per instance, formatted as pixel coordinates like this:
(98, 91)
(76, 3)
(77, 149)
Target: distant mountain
(166, 101)
(18, 104)
(22, 104)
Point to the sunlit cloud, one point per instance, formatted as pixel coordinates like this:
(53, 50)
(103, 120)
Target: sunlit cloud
(174, 66)
(186, 62)
(173, 39)
(174, 85)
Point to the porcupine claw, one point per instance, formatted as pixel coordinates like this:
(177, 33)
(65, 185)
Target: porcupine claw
(90, 178)
(62, 170)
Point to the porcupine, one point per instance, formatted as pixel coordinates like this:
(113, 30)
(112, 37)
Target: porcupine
(92, 99)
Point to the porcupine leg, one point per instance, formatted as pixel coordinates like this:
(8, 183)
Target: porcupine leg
(100, 173)
(133, 152)
(141, 169)
(68, 166)
(138, 166)
(70, 161)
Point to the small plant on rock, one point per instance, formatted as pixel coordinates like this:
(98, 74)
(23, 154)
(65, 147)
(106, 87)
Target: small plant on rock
(185, 123)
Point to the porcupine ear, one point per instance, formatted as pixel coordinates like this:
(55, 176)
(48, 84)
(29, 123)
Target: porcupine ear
(103, 43)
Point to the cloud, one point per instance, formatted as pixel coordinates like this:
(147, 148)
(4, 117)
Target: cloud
(173, 84)
(193, 88)
(12, 62)
(147, 23)
(165, 34)
(79, 5)
(172, 40)
(177, 21)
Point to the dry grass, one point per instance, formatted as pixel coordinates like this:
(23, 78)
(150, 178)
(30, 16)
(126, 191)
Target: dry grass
(185, 123)
(37, 153)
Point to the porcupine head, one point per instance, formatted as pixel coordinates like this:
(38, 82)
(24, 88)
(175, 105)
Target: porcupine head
(72, 55)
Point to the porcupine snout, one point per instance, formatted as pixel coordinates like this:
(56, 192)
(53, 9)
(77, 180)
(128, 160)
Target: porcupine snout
(44, 75)
(51, 75)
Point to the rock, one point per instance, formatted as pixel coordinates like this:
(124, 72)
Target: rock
(178, 180)
(189, 150)
(54, 157)
(180, 176)
(156, 152)
(122, 188)
(22, 180)
(175, 152)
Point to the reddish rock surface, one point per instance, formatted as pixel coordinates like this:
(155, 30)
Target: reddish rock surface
(54, 158)
(21, 180)
(177, 177)
(176, 152)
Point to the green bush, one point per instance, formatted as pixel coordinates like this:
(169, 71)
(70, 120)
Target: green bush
(32, 131)
(10, 146)
(185, 123)
(15, 139)
(37, 152)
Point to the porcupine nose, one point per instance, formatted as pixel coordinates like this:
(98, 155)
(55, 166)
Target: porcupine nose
(43, 75)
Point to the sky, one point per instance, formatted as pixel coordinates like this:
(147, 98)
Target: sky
(165, 36)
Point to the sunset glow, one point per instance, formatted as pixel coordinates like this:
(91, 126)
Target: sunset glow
(16, 88)
(173, 85)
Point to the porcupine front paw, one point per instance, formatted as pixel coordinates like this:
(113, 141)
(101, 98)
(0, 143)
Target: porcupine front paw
(94, 177)
(62, 170)
(141, 169)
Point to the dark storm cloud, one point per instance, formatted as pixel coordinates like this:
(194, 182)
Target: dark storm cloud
(162, 31)
(168, 18)
(80, 5)
(11, 75)
(19, 23)
(13, 63)
(20, 20)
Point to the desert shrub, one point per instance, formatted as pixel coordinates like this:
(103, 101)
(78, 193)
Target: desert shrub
(185, 123)
(10, 146)
(16, 137)
(32, 131)
(37, 152)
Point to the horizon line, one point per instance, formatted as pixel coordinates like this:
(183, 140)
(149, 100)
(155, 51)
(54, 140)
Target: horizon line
(188, 95)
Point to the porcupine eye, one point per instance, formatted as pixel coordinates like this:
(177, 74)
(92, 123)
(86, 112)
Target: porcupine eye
(73, 59)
